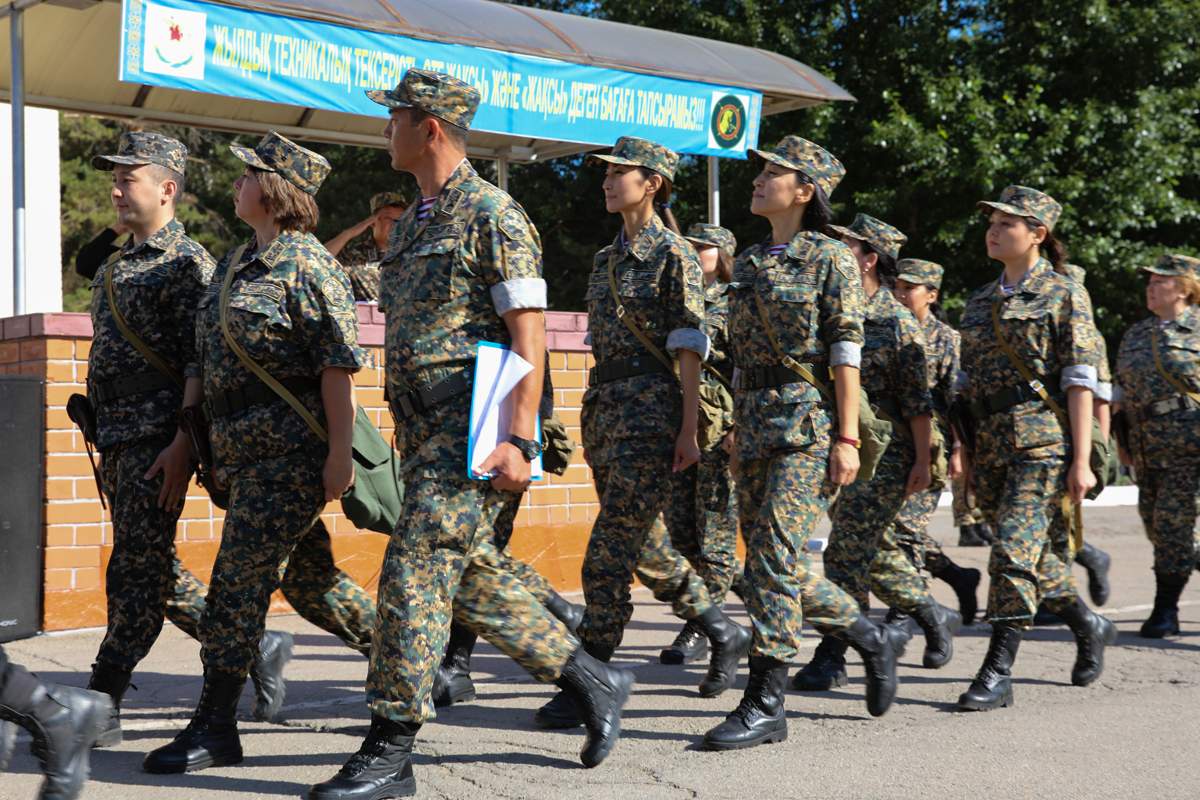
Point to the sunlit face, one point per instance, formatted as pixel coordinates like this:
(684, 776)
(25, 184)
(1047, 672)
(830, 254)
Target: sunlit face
(1009, 238)
(1163, 293)
(406, 141)
(917, 297)
(138, 194)
(777, 189)
(248, 199)
(626, 187)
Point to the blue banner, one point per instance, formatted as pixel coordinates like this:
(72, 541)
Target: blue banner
(206, 47)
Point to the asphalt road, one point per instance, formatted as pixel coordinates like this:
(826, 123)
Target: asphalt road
(1136, 732)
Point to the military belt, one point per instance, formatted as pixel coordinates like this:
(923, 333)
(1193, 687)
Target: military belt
(1003, 400)
(410, 404)
(102, 392)
(222, 404)
(768, 377)
(621, 368)
(1161, 408)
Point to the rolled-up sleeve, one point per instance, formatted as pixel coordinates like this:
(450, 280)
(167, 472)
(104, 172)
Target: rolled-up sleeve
(1079, 375)
(685, 303)
(689, 339)
(845, 354)
(842, 307)
(519, 293)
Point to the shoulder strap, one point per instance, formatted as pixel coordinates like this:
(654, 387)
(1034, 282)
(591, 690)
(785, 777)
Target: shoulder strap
(789, 362)
(1175, 383)
(1034, 382)
(154, 358)
(251, 364)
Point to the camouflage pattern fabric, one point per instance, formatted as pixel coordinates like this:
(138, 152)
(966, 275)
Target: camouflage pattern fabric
(441, 557)
(136, 148)
(716, 326)
(630, 151)
(437, 93)
(809, 158)
(299, 166)
(157, 285)
(1166, 447)
(290, 307)
(185, 606)
(533, 581)
(702, 521)
(883, 237)
(629, 428)
(139, 580)
(704, 234)
(1021, 201)
(1022, 453)
(1174, 264)
(440, 282)
(864, 552)
(360, 260)
(814, 300)
(384, 199)
(964, 505)
(920, 272)
(813, 297)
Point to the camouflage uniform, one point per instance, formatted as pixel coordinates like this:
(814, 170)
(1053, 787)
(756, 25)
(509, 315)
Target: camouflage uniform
(446, 283)
(1022, 452)
(1165, 438)
(290, 308)
(863, 554)
(813, 297)
(702, 514)
(629, 425)
(360, 257)
(156, 285)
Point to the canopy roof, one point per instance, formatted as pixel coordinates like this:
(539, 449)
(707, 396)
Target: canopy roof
(72, 64)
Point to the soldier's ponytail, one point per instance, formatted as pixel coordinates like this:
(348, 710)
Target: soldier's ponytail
(1052, 248)
(662, 201)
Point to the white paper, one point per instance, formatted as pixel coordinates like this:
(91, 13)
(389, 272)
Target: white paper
(497, 371)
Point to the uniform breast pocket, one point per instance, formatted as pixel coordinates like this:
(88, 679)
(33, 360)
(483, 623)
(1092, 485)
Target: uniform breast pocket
(258, 308)
(434, 264)
(638, 284)
(1181, 359)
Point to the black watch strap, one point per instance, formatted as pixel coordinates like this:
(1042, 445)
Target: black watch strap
(529, 448)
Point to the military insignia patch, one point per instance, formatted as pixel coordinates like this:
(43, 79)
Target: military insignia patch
(268, 290)
(334, 291)
(512, 224)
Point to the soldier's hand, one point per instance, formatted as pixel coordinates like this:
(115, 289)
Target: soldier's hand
(687, 452)
(843, 464)
(1079, 480)
(508, 468)
(918, 478)
(337, 475)
(955, 467)
(175, 464)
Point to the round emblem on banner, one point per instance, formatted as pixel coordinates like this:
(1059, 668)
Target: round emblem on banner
(728, 121)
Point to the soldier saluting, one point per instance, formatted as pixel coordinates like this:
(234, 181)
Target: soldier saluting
(464, 266)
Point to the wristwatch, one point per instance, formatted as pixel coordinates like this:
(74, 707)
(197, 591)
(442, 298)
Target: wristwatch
(529, 448)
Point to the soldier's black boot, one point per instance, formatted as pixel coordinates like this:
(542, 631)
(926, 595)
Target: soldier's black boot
(992, 687)
(729, 643)
(452, 682)
(112, 681)
(880, 647)
(969, 536)
(64, 723)
(1096, 562)
(690, 645)
(274, 652)
(986, 533)
(381, 768)
(8, 738)
(940, 625)
(827, 668)
(760, 717)
(1092, 634)
(1045, 618)
(568, 613)
(211, 738)
(562, 712)
(898, 619)
(965, 583)
(1164, 619)
(599, 692)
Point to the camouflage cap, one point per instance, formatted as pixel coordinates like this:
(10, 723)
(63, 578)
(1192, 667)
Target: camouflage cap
(297, 165)
(804, 156)
(633, 152)
(1173, 264)
(875, 232)
(701, 233)
(437, 93)
(1021, 201)
(385, 199)
(145, 147)
(918, 272)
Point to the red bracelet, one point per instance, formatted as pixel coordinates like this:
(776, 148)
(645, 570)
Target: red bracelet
(855, 443)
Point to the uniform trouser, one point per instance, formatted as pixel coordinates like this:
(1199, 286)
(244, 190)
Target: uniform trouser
(912, 531)
(780, 500)
(534, 583)
(1030, 560)
(273, 539)
(1169, 503)
(442, 557)
(965, 512)
(864, 555)
(629, 538)
(702, 520)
